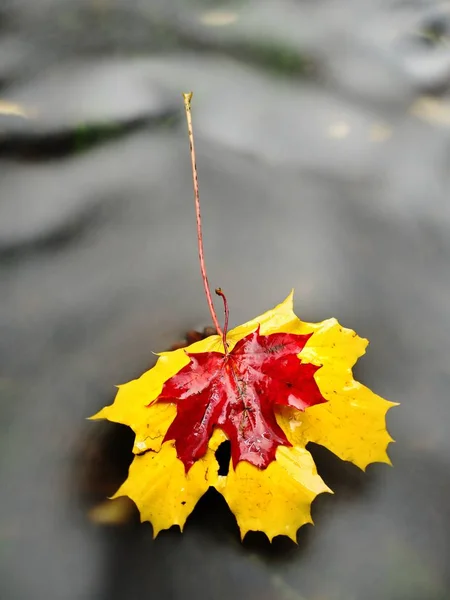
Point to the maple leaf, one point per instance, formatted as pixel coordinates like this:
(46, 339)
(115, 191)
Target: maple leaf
(268, 387)
(277, 384)
(238, 392)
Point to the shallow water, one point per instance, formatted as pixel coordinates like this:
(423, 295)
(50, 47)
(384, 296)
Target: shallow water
(323, 136)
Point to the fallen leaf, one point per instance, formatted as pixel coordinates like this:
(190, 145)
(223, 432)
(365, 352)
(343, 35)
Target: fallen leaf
(433, 110)
(10, 108)
(218, 18)
(278, 385)
(112, 512)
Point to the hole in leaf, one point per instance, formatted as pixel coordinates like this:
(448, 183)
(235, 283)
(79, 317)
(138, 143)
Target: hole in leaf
(223, 457)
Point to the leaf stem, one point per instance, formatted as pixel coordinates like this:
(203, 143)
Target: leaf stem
(187, 97)
(227, 314)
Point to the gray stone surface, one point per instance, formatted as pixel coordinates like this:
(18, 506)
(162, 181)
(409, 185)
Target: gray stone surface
(332, 180)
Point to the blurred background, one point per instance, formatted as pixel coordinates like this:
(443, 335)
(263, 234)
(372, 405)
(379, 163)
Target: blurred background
(323, 146)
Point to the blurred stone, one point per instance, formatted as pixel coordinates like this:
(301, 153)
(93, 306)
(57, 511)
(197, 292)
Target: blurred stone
(85, 94)
(99, 270)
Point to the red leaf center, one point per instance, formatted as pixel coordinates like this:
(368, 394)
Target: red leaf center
(238, 393)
